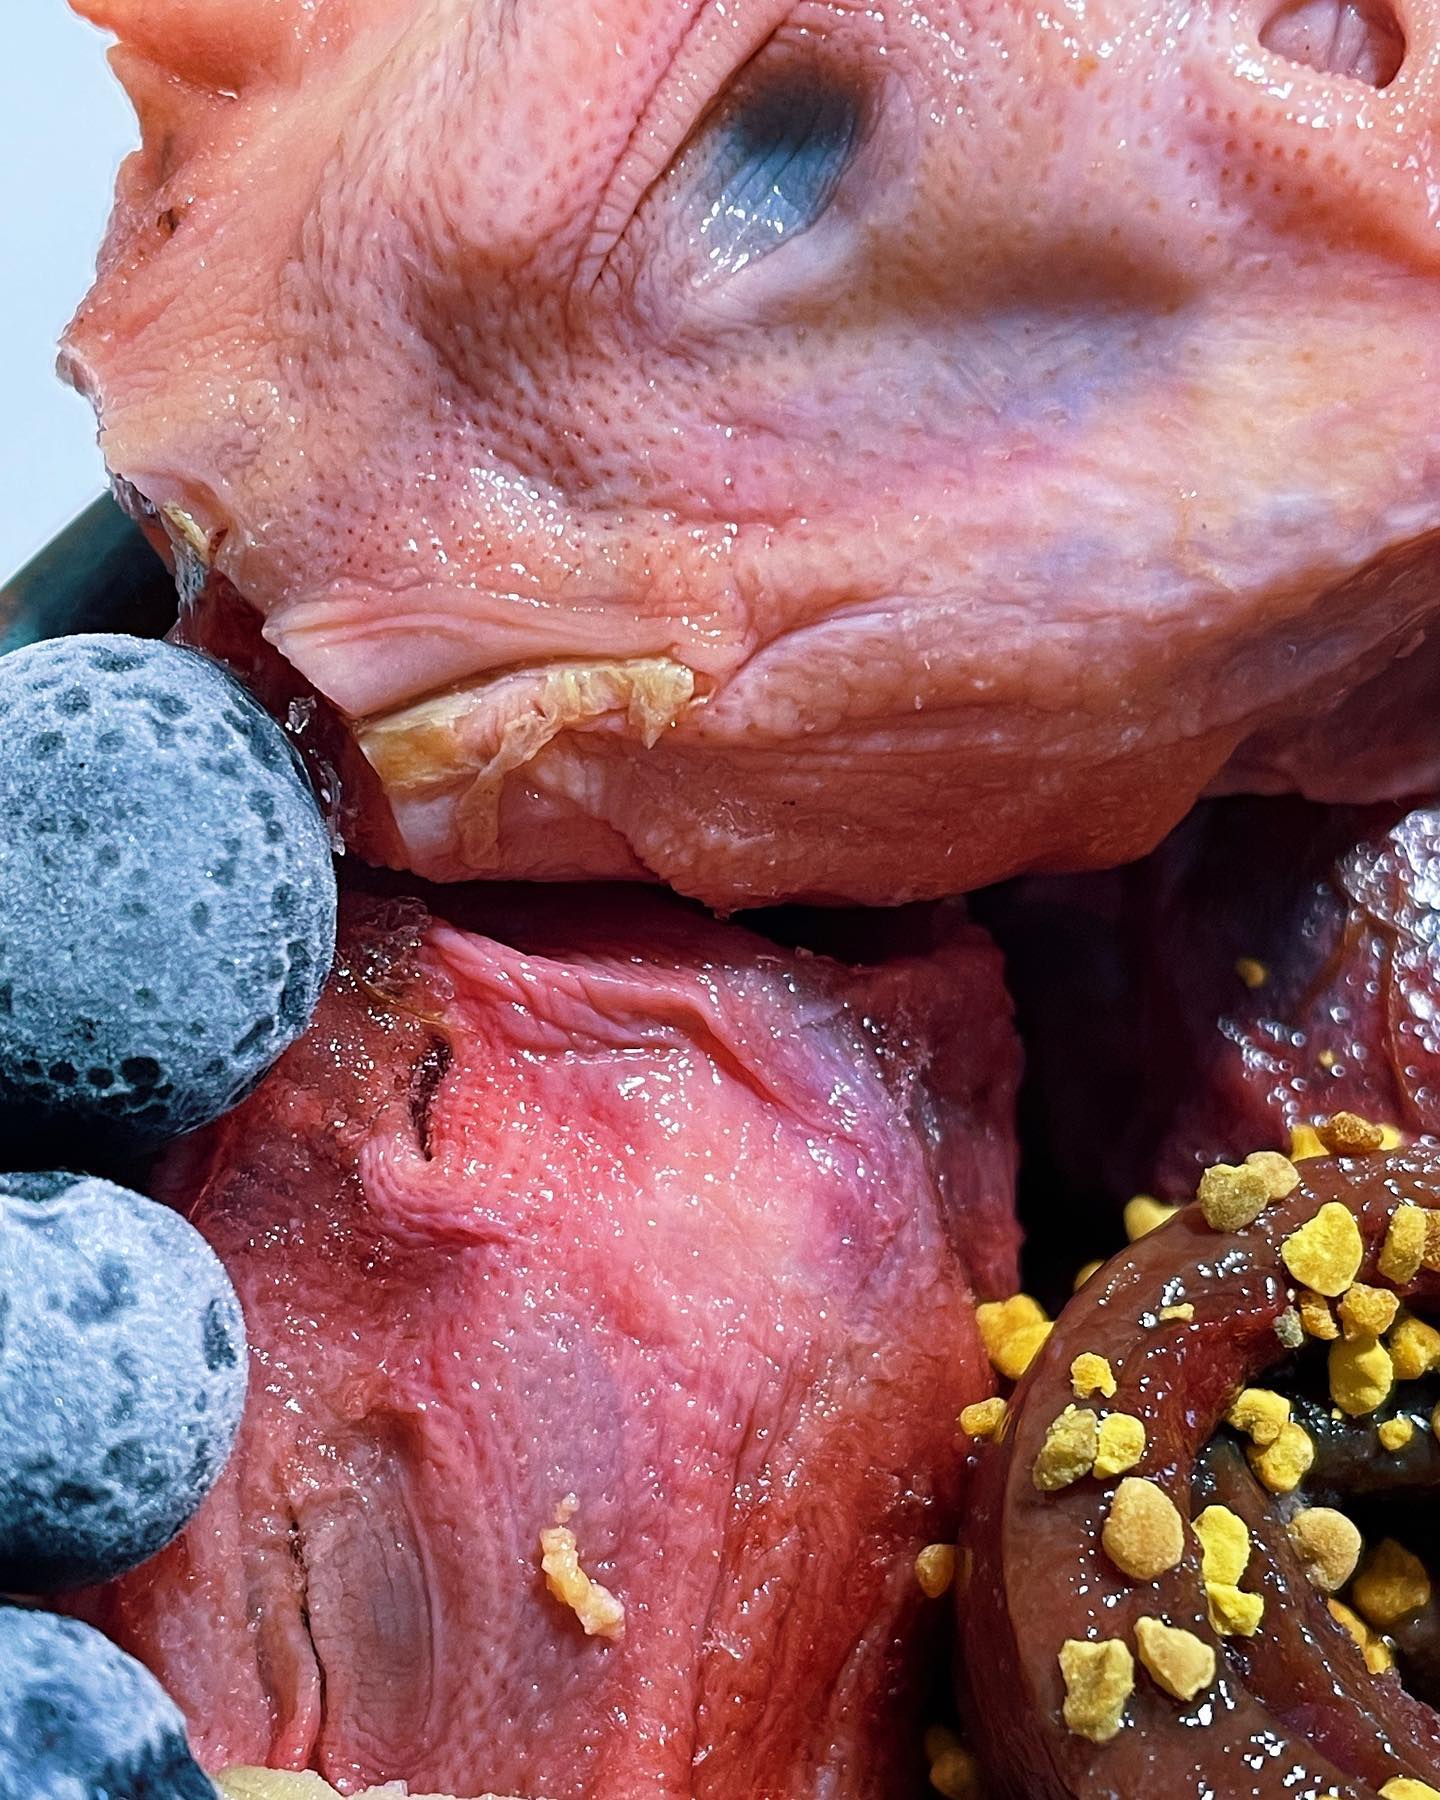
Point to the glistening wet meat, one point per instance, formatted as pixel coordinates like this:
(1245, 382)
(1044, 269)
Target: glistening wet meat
(1163, 1622)
(611, 1222)
(794, 449)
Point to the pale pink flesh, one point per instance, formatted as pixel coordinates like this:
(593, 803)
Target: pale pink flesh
(682, 1227)
(1090, 431)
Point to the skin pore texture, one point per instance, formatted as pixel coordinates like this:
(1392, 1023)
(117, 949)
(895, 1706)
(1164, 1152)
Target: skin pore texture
(791, 449)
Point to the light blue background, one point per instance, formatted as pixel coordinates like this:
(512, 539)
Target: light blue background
(64, 125)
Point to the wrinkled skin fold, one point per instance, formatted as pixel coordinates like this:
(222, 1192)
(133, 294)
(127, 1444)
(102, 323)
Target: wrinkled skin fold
(793, 449)
(1294, 1711)
(611, 1202)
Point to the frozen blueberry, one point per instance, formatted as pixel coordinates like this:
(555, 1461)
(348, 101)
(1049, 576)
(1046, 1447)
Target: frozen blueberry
(122, 1378)
(80, 1720)
(167, 895)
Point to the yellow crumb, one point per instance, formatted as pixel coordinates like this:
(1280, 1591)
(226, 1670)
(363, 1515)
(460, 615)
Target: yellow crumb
(956, 1774)
(1251, 971)
(597, 1609)
(1316, 1318)
(1068, 1450)
(1402, 1787)
(1391, 1584)
(1431, 1254)
(1099, 1678)
(1414, 1348)
(1328, 1545)
(1176, 1660)
(1377, 1653)
(1224, 1544)
(1233, 1613)
(1184, 1312)
(984, 1418)
(1012, 1331)
(1361, 1375)
(1259, 1413)
(1327, 1059)
(1347, 1134)
(1144, 1213)
(1326, 1252)
(1084, 1272)
(1404, 1246)
(1396, 1433)
(1231, 1197)
(1092, 1375)
(1121, 1444)
(1283, 1465)
(1143, 1534)
(935, 1569)
(1305, 1143)
(1367, 1311)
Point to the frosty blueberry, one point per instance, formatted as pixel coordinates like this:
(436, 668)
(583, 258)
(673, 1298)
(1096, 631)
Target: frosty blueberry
(122, 1378)
(167, 897)
(80, 1720)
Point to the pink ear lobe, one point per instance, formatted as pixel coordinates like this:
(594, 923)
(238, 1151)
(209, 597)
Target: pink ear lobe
(218, 44)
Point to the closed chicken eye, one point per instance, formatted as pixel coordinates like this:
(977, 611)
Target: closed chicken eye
(774, 161)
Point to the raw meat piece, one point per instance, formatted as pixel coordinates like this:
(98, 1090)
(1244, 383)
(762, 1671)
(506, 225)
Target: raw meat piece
(1150, 1055)
(792, 450)
(1292, 1712)
(619, 1204)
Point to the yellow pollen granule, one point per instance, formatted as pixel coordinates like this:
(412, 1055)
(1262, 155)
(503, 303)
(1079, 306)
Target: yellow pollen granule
(1182, 1313)
(1260, 1413)
(1367, 1311)
(1404, 1247)
(1091, 1375)
(1144, 1213)
(1085, 1271)
(1233, 1613)
(1224, 1544)
(1431, 1255)
(1099, 1678)
(1143, 1534)
(1391, 1584)
(1347, 1134)
(1403, 1787)
(1012, 1331)
(954, 1772)
(1068, 1451)
(1361, 1375)
(1377, 1653)
(984, 1418)
(1121, 1445)
(1251, 971)
(1325, 1253)
(1414, 1348)
(1230, 1197)
(1176, 1660)
(1396, 1433)
(1316, 1318)
(935, 1569)
(1283, 1465)
(1328, 1545)
(1305, 1143)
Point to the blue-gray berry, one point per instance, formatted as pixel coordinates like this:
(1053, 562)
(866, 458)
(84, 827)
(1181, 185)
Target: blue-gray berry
(80, 1720)
(122, 1378)
(167, 894)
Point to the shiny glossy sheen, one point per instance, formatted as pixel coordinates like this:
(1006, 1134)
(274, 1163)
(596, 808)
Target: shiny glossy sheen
(1074, 434)
(1294, 1714)
(617, 1203)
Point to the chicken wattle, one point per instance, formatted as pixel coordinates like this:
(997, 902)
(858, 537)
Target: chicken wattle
(610, 1281)
(793, 450)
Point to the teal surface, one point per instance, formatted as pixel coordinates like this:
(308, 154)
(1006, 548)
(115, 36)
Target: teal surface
(99, 574)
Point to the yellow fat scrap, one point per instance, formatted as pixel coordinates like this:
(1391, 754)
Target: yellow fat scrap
(1099, 1679)
(1326, 1252)
(599, 1612)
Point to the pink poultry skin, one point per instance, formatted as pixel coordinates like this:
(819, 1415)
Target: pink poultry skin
(793, 449)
